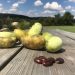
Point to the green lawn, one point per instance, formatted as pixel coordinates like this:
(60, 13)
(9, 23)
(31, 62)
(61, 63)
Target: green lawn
(66, 28)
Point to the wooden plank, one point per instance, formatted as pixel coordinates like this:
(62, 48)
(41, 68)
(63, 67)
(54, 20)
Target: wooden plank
(7, 54)
(23, 63)
(68, 34)
(66, 40)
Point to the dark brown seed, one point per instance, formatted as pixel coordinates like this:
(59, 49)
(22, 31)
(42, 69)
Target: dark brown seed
(42, 58)
(38, 60)
(59, 60)
(47, 63)
(51, 59)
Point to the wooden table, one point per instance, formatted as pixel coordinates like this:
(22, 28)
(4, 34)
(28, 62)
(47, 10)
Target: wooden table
(23, 63)
(7, 54)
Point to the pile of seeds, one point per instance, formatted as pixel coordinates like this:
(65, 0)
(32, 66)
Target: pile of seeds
(48, 61)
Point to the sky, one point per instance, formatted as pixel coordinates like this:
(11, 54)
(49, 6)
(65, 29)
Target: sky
(36, 8)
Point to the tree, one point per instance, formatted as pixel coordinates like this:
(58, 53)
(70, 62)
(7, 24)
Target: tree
(67, 18)
(57, 19)
(24, 24)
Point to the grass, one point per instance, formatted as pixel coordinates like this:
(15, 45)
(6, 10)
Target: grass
(66, 28)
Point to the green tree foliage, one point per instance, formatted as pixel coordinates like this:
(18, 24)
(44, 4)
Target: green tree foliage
(57, 19)
(67, 18)
(24, 24)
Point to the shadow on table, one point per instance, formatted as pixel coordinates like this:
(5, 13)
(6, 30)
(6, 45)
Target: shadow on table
(15, 46)
(43, 49)
(60, 51)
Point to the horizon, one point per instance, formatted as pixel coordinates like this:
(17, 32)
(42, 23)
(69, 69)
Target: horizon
(37, 8)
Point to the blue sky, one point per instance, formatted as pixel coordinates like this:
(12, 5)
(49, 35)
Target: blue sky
(35, 8)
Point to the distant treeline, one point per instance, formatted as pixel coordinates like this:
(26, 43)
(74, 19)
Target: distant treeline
(58, 20)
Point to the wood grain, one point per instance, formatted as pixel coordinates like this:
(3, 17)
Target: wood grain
(7, 54)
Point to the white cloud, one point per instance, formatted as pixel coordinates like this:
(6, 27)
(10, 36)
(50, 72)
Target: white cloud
(1, 5)
(48, 12)
(62, 11)
(1, 8)
(14, 7)
(8, 1)
(45, 13)
(13, 10)
(47, 5)
(74, 17)
(68, 7)
(72, 0)
(21, 1)
(38, 3)
(53, 6)
(73, 10)
(31, 13)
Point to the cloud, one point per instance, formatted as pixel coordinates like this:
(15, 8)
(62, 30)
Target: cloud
(31, 13)
(1, 7)
(68, 7)
(2, 10)
(73, 10)
(38, 3)
(53, 6)
(62, 11)
(74, 16)
(21, 1)
(8, 1)
(45, 13)
(47, 5)
(72, 0)
(48, 12)
(14, 7)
